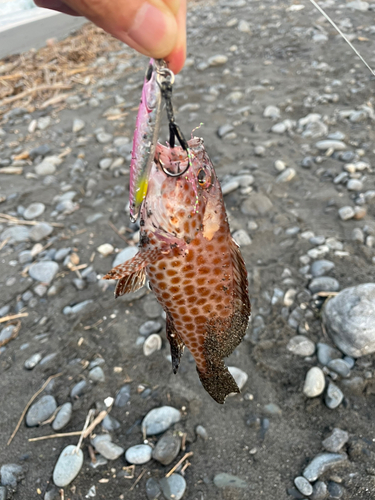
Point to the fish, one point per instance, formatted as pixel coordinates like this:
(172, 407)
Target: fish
(194, 266)
(145, 136)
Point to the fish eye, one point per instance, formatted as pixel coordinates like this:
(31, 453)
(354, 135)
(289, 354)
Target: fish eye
(202, 177)
(149, 72)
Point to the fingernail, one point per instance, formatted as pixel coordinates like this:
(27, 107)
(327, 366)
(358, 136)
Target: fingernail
(153, 30)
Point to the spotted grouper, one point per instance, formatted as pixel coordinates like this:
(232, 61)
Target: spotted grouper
(194, 266)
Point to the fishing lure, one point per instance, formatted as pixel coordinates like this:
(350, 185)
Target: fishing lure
(158, 84)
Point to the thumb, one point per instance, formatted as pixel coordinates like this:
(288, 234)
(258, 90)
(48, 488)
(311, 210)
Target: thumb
(147, 26)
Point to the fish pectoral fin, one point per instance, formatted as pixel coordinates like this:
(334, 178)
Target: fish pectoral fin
(176, 343)
(218, 382)
(138, 262)
(132, 273)
(130, 283)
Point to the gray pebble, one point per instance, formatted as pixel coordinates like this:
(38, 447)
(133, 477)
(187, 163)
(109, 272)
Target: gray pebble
(122, 396)
(217, 60)
(11, 474)
(224, 480)
(340, 367)
(78, 389)
(33, 361)
(149, 328)
(330, 144)
(334, 396)
(272, 409)
(97, 374)
(40, 231)
(326, 353)
(153, 490)
(40, 411)
(67, 466)
(93, 218)
(53, 494)
(301, 345)
(201, 432)
(167, 449)
(25, 257)
(33, 211)
(317, 240)
(335, 490)
(44, 122)
(110, 424)
(160, 419)
(321, 463)
(105, 163)
(324, 284)
(287, 175)
(272, 112)
(354, 185)
(44, 271)
(314, 382)
(139, 454)
(77, 308)
(350, 320)
(103, 444)
(6, 333)
(16, 234)
(173, 487)
(78, 125)
(336, 440)
(230, 186)
(62, 253)
(225, 129)
(126, 254)
(307, 162)
(63, 417)
(349, 361)
(259, 150)
(320, 491)
(346, 213)
(303, 486)
(357, 235)
(104, 138)
(241, 238)
(152, 308)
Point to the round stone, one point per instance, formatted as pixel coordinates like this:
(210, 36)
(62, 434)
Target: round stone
(63, 417)
(44, 271)
(340, 367)
(33, 211)
(152, 344)
(160, 419)
(301, 345)
(321, 267)
(334, 396)
(167, 449)
(97, 374)
(303, 486)
(314, 382)
(103, 445)
(350, 320)
(40, 231)
(139, 454)
(173, 487)
(150, 327)
(40, 411)
(122, 396)
(324, 284)
(68, 466)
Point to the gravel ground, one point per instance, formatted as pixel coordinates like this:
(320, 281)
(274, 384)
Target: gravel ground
(288, 121)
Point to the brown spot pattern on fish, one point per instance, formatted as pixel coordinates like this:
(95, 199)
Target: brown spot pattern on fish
(194, 266)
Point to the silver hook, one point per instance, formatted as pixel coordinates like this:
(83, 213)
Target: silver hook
(169, 173)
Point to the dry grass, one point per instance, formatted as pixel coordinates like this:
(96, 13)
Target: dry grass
(38, 78)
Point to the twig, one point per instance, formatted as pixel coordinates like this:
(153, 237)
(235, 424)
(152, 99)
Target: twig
(92, 454)
(327, 294)
(14, 333)
(96, 422)
(14, 316)
(52, 436)
(4, 242)
(27, 92)
(29, 404)
(88, 418)
(117, 231)
(187, 455)
(138, 479)
(89, 327)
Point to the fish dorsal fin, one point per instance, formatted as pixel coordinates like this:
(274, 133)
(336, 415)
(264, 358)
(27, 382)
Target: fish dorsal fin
(240, 281)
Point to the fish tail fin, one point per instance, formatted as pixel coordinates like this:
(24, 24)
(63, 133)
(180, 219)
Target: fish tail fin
(218, 382)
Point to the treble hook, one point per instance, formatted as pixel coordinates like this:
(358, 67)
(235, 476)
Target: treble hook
(171, 174)
(166, 86)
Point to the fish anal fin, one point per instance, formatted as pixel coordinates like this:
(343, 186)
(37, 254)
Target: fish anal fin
(131, 283)
(218, 382)
(176, 343)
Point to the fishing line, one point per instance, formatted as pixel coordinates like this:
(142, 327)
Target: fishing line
(342, 34)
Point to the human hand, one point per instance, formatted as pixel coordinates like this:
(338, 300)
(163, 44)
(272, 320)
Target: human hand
(156, 28)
